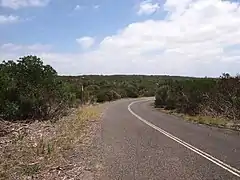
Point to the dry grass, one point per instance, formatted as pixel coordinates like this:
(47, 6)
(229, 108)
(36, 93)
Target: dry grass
(207, 120)
(220, 122)
(43, 146)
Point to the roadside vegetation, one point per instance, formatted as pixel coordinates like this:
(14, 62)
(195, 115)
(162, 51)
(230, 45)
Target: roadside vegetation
(212, 101)
(31, 90)
(44, 117)
(43, 121)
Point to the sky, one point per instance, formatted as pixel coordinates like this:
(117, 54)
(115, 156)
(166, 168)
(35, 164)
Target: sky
(170, 37)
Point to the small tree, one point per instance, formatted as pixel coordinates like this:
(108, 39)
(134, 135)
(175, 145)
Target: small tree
(30, 89)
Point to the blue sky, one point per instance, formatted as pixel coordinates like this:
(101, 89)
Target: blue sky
(60, 22)
(187, 37)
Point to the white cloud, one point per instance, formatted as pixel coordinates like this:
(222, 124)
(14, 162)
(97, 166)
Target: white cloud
(197, 38)
(16, 4)
(81, 7)
(8, 19)
(78, 7)
(86, 42)
(177, 7)
(148, 7)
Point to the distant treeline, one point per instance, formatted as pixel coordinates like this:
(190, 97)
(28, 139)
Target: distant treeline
(107, 88)
(218, 97)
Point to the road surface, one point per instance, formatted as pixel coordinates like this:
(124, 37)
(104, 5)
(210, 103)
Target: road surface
(142, 143)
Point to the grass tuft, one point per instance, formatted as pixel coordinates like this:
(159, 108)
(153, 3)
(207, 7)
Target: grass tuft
(208, 120)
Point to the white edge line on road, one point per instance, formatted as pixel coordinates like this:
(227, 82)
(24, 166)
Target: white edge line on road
(214, 160)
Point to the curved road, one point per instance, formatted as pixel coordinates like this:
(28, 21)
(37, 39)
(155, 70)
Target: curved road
(142, 143)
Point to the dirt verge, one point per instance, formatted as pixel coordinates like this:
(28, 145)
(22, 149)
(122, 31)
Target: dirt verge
(66, 149)
(219, 122)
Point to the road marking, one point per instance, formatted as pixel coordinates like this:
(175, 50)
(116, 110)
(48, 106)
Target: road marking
(207, 156)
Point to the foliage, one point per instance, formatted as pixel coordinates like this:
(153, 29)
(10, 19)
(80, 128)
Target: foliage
(108, 88)
(207, 96)
(30, 90)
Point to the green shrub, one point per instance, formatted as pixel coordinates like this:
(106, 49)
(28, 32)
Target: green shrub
(208, 96)
(31, 90)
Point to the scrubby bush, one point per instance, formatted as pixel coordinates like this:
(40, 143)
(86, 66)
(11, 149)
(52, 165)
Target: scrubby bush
(208, 96)
(30, 90)
(162, 96)
(107, 95)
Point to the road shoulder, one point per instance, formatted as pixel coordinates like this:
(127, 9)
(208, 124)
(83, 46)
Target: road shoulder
(69, 148)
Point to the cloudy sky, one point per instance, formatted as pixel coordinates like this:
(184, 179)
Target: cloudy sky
(175, 37)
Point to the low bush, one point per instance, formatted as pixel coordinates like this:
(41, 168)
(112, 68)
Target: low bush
(218, 97)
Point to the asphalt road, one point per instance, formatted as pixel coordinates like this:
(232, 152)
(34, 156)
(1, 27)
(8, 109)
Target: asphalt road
(142, 143)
